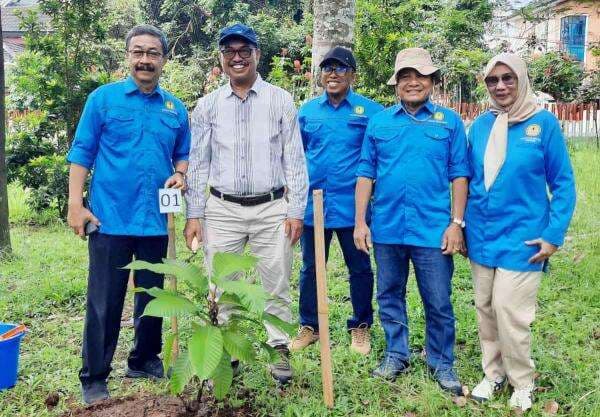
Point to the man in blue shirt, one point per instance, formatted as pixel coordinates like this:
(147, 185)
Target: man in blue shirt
(412, 151)
(135, 137)
(332, 127)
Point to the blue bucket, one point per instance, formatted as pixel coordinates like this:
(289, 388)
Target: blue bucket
(9, 357)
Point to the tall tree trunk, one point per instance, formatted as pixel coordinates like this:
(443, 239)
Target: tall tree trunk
(333, 26)
(4, 227)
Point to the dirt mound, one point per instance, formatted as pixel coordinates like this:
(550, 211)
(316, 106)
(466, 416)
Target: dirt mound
(153, 406)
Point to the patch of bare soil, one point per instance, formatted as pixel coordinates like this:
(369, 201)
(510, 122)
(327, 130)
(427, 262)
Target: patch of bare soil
(157, 406)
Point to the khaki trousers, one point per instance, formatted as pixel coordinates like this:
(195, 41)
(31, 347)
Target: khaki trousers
(229, 227)
(505, 302)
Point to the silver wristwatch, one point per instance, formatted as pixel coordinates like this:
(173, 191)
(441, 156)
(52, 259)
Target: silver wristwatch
(459, 222)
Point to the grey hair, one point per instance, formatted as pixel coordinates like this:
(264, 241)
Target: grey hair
(148, 30)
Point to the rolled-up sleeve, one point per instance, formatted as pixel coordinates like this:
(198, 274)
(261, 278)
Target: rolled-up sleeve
(199, 162)
(459, 162)
(367, 167)
(294, 163)
(561, 182)
(87, 136)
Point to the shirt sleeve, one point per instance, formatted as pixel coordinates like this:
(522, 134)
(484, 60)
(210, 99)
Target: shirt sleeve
(181, 151)
(87, 136)
(561, 182)
(459, 162)
(294, 164)
(367, 166)
(199, 167)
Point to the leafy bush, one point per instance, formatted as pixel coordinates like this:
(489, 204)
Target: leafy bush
(211, 344)
(555, 73)
(590, 87)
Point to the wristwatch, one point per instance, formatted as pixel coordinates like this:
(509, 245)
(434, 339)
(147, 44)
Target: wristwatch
(459, 222)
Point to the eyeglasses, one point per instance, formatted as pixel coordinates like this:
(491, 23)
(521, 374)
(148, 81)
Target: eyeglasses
(339, 69)
(152, 55)
(244, 52)
(507, 79)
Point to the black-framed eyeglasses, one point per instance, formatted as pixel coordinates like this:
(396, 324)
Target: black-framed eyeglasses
(244, 52)
(151, 54)
(339, 69)
(507, 79)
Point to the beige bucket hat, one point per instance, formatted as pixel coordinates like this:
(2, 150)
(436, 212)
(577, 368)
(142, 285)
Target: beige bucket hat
(415, 58)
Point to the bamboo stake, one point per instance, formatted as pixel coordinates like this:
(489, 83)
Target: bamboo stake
(172, 282)
(323, 309)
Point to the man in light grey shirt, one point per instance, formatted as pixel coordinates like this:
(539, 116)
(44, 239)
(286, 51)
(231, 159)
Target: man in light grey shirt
(246, 147)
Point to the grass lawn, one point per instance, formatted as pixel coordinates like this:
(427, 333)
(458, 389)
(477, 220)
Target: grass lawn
(43, 285)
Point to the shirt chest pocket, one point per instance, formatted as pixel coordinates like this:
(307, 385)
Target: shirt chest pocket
(119, 126)
(313, 135)
(356, 132)
(167, 129)
(437, 142)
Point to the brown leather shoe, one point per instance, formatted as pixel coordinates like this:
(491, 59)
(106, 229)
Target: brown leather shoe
(361, 339)
(306, 337)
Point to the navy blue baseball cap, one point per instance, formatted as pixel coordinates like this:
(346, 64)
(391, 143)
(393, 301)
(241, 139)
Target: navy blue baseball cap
(339, 54)
(238, 31)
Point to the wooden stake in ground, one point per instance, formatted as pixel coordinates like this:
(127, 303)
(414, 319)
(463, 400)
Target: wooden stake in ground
(323, 308)
(172, 281)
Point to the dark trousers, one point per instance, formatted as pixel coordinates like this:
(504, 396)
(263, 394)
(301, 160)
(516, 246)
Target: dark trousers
(433, 271)
(361, 278)
(107, 285)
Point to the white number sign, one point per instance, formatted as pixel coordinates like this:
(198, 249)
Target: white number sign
(169, 200)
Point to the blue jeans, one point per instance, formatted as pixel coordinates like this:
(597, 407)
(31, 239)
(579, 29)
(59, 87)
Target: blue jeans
(361, 278)
(433, 271)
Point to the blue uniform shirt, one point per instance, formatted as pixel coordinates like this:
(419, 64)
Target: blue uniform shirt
(517, 208)
(412, 160)
(332, 139)
(130, 141)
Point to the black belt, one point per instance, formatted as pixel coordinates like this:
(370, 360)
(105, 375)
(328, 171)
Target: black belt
(254, 200)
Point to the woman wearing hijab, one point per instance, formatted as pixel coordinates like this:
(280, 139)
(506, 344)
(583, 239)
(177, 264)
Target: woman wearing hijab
(517, 152)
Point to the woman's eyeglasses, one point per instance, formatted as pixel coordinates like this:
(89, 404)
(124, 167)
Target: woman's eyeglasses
(507, 79)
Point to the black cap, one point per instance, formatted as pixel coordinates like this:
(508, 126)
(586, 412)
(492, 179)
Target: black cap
(238, 31)
(340, 54)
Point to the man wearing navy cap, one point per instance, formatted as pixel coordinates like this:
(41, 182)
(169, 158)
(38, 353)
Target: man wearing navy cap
(246, 148)
(332, 127)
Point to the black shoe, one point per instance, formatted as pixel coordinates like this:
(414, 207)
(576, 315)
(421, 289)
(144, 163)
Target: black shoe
(152, 369)
(390, 367)
(447, 380)
(93, 392)
(281, 371)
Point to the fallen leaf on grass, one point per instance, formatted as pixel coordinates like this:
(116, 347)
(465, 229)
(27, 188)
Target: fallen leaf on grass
(596, 334)
(551, 407)
(536, 375)
(542, 389)
(577, 258)
(410, 414)
(459, 401)
(52, 400)
(466, 391)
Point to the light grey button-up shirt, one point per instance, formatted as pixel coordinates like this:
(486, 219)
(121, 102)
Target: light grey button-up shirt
(246, 147)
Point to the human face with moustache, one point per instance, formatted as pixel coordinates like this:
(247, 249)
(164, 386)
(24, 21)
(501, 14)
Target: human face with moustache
(239, 60)
(146, 59)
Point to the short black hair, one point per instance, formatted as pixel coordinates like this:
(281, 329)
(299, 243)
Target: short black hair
(148, 30)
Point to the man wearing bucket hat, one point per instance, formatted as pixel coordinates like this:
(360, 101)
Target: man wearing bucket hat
(246, 147)
(412, 151)
(332, 127)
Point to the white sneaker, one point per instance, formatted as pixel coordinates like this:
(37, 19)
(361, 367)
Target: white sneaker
(487, 388)
(521, 398)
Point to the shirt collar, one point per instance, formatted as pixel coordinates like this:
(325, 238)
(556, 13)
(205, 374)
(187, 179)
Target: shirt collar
(428, 106)
(350, 98)
(131, 87)
(256, 87)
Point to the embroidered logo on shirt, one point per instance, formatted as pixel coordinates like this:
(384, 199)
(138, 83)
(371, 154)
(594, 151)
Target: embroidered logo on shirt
(169, 105)
(359, 110)
(533, 130)
(439, 116)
